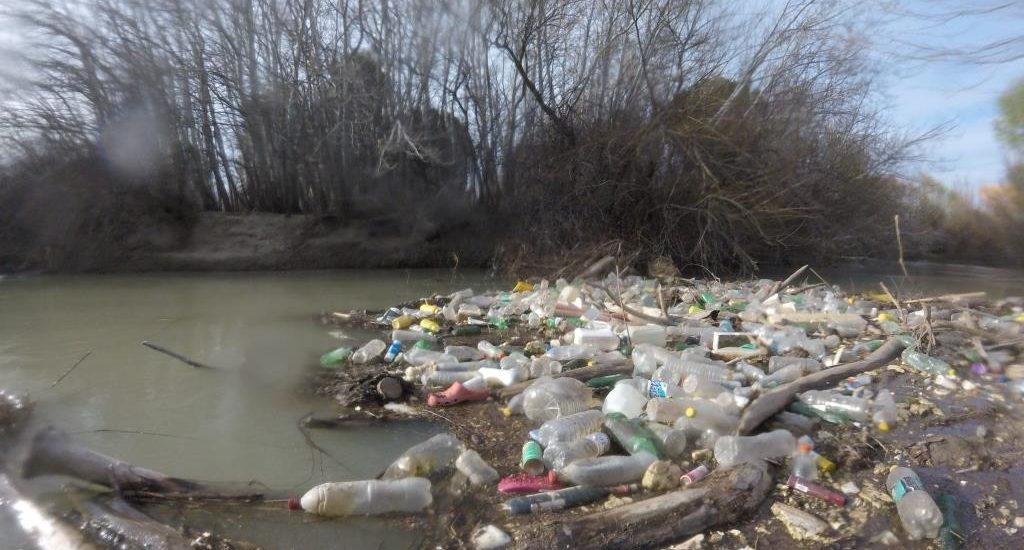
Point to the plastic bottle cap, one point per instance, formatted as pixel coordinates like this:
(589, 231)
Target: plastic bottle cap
(804, 448)
(691, 412)
(293, 504)
(552, 477)
(883, 426)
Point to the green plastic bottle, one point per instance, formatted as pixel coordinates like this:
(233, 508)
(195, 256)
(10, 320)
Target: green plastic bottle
(631, 434)
(336, 357)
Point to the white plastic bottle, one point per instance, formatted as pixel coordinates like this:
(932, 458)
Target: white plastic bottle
(475, 468)
(368, 497)
(735, 449)
(625, 399)
(370, 350)
(918, 512)
(601, 338)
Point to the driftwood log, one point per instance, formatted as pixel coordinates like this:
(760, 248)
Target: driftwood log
(53, 453)
(770, 403)
(723, 497)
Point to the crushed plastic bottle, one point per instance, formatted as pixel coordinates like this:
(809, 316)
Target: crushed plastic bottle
(369, 497)
(919, 514)
(430, 458)
(558, 454)
(736, 449)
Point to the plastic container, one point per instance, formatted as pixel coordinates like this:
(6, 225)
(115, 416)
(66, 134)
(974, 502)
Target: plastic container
(601, 338)
(335, 357)
(925, 363)
(919, 514)
(695, 475)
(475, 468)
(670, 441)
(624, 399)
(736, 449)
(464, 353)
(370, 350)
(803, 463)
(606, 470)
(499, 377)
(568, 353)
(885, 414)
(549, 398)
(446, 378)
(490, 350)
(749, 371)
(403, 322)
(652, 335)
(631, 434)
(369, 497)
(559, 454)
(431, 457)
(393, 350)
(810, 488)
(851, 407)
(570, 428)
(779, 361)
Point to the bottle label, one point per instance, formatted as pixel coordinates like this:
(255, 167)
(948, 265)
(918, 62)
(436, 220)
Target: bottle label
(905, 485)
(657, 389)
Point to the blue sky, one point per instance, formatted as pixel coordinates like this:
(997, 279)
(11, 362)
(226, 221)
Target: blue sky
(923, 93)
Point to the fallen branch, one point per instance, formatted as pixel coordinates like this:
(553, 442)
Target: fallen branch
(178, 356)
(780, 286)
(770, 403)
(954, 298)
(723, 497)
(73, 367)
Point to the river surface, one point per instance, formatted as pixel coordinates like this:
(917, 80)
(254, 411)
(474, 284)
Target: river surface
(261, 332)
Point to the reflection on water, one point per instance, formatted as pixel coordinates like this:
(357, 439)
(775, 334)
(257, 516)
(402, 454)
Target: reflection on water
(238, 423)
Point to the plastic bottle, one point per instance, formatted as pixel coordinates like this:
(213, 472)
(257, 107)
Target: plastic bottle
(750, 372)
(785, 375)
(411, 336)
(851, 407)
(920, 515)
(925, 363)
(601, 338)
(549, 398)
(698, 386)
(475, 468)
(653, 335)
(419, 356)
(368, 497)
(885, 412)
(735, 449)
(570, 428)
(671, 442)
(499, 377)
(490, 350)
(606, 470)
(446, 378)
(780, 361)
(467, 366)
(464, 353)
(370, 350)
(631, 434)
(393, 350)
(433, 456)
(555, 500)
(543, 365)
(567, 353)
(624, 399)
(803, 463)
(335, 357)
(403, 322)
(677, 370)
(557, 455)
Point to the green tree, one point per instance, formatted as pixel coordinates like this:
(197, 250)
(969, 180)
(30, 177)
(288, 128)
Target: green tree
(1010, 124)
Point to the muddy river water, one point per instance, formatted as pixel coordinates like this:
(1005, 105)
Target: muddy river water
(261, 332)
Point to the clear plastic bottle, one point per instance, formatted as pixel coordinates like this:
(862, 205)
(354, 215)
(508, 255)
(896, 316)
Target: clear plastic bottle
(431, 457)
(705, 422)
(803, 463)
(854, 408)
(779, 361)
(464, 353)
(418, 356)
(543, 365)
(368, 497)
(446, 378)
(647, 334)
(370, 350)
(625, 399)
(671, 442)
(785, 375)
(513, 360)
(568, 353)
(752, 373)
(549, 398)
(644, 363)
(919, 514)
(735, 449)
(570, 428)
(678, 369)
(475, 468)
(490, 350)
(885, 412)
(467, 366)
(411, 336)
(926, 363)
(606, 470)
(601, 338)
(557, 455)
(698, 386)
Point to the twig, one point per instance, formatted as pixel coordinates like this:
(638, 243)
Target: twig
(779, 286)
(948, 298)
(73, 367)
(820, 278)
(895, 302)
(928, 327)
(313, 444)
(899, 243)
(178, 356)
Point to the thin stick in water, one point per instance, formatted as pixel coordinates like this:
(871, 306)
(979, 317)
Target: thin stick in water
(178, 356)
(73, 367)
(899, 243)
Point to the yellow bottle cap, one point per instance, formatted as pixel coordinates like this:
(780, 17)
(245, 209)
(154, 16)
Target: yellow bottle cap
(883, 426)
(691, 412)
